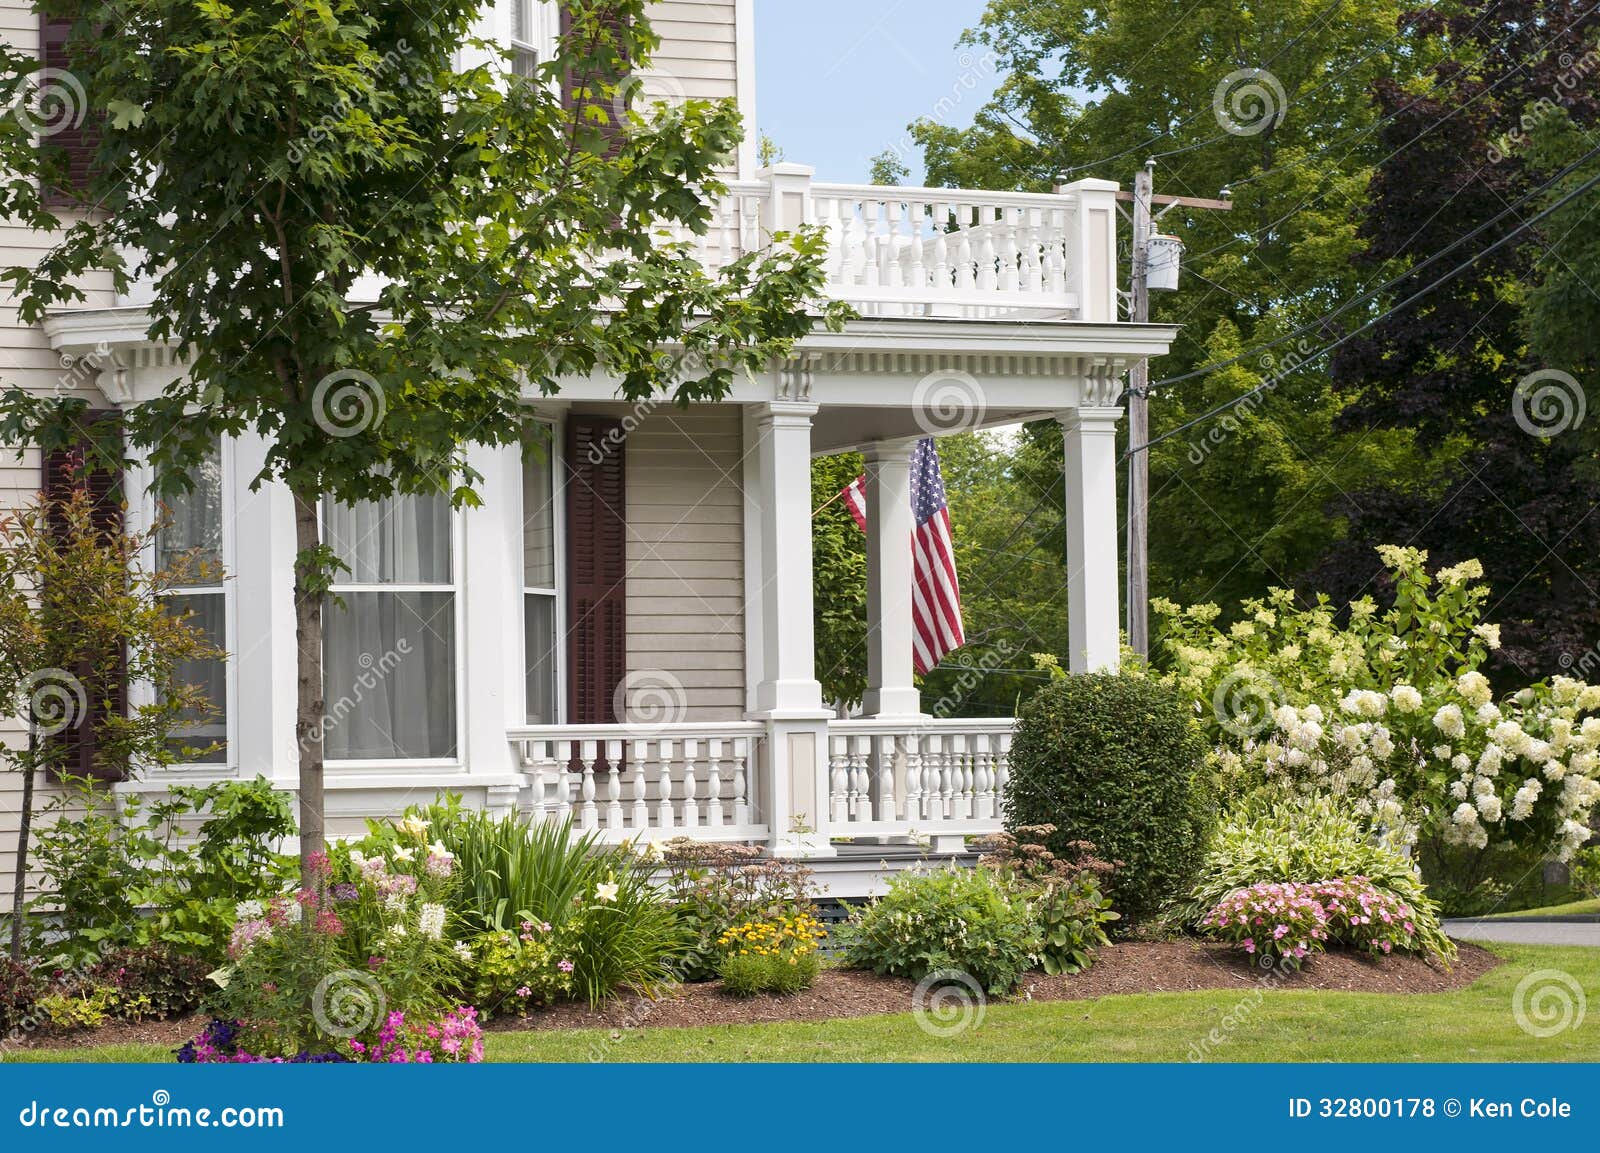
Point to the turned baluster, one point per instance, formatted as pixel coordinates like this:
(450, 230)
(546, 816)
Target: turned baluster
(589, 816)
(1009, 255)
(893, 270)
(1002, 770)
(983, 771)
(714, 782)
(987, 277)
(872, 244)
(966, 265)
(641, 786)
(741, 797)
(613, 784)
(691, 805)
(839, 779)
(917, 274)
(1031, 235)
(912, 810)
(664, 817)
(563, 780)
(860, 801)
(941, 247)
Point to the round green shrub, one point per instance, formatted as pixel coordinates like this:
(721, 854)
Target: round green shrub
(1116, 760)
(950, 919)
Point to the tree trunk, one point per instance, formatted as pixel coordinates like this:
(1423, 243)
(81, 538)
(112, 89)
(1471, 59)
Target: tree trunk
(24, 831)
(308, 721)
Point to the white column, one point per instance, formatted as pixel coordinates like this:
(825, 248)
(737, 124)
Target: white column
(263, 644)
(890, 691)
(489, 586)
(788, 649)
(788, 695)
(1090, 449)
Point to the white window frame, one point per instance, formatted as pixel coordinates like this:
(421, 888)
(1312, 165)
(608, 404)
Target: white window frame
(558, 526)
(142, 477)
(458, 673)
(539, 33)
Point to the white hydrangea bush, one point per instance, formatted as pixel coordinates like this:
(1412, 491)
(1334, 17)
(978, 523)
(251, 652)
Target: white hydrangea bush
(1391, 712)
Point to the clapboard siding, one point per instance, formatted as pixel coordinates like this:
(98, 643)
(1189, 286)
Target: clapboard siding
(698, 53)
(685, 553)
(27, 360)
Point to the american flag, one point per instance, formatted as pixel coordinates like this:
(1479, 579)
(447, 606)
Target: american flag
(935, 591)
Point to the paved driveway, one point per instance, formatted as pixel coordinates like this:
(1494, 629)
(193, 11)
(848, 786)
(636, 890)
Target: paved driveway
(1527, 932)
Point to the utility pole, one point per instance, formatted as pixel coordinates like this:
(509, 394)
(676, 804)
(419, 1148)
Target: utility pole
(1139, 424)
(1138, 592)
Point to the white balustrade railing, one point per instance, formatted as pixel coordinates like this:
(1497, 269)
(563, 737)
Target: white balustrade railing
(923, 251)
(646, 782)
(917, 778)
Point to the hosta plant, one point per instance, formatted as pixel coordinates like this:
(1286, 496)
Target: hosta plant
(966, 920)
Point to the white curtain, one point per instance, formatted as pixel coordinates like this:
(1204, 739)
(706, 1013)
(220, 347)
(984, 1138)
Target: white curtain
(389, 656)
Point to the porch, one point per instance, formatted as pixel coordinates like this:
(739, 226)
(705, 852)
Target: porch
(977, 310)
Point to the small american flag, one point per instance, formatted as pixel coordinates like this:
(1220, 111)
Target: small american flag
(935, 591)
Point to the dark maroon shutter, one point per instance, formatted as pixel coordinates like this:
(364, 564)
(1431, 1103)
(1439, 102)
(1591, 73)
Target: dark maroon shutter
(597, 658)
(64, 471)
(79, 143)
(569, 96)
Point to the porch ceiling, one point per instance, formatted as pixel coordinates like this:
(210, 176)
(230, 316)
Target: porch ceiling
(845, 429)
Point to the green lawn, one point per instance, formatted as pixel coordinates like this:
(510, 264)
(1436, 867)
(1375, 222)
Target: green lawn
(1590, 905)
(1476, 1024)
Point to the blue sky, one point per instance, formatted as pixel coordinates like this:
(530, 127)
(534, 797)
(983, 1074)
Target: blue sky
(837, 81)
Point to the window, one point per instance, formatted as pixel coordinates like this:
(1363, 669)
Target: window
(539, 574)
(190, 533)
(389, 654)
(524, 37)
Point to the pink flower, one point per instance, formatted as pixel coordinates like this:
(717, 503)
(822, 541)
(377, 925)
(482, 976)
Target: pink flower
(564, 966)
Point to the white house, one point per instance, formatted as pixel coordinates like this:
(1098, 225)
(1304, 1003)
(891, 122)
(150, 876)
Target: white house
(624, 630)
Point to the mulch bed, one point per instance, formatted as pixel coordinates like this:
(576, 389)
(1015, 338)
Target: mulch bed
(1129, 967)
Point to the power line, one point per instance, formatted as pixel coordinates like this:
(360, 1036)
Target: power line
(1320, 353)
(1373, 127)
(1369, 294)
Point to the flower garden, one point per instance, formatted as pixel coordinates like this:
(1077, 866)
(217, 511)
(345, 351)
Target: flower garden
(1306, 781)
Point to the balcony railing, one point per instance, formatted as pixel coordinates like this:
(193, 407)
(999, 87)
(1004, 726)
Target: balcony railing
(932, 252)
